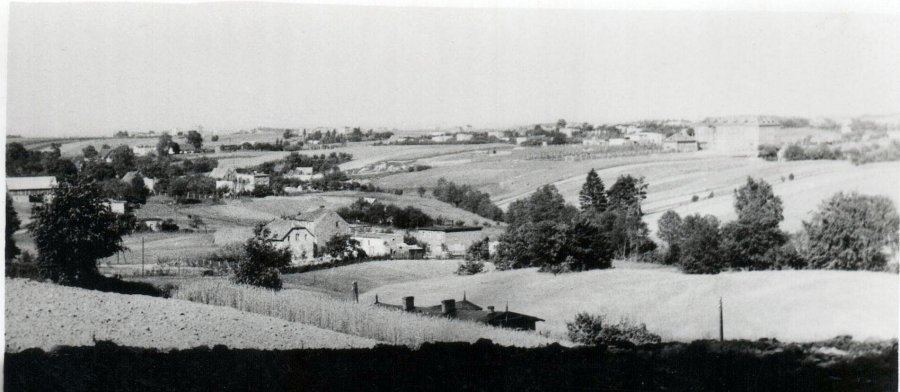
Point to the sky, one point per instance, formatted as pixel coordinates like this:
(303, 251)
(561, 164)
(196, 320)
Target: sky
(94, 68)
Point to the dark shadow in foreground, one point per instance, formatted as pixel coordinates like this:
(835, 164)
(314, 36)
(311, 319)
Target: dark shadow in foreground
(701, 365)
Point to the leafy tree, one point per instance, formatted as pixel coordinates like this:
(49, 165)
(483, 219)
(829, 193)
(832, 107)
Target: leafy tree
(545, 204)
(176, 148)
(62, 169)
(561, 123)
(12, 225)
(214, 138)
(138, 193)
(89, 152)
(850, 232)
(343, 247)
(163, 145)
(195, 139)
(470, 267)
(421, 191)
(669, 227)
(97, 171)
(122, 160)
(73, 231)
(748, 240)
(699, 245)
(593, 193)
(261, 261)
(627, 192)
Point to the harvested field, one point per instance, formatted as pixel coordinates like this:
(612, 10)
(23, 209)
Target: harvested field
(788, 305)
(386, 325)
(46, 315)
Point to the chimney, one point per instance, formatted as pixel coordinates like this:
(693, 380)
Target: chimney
(409, 303)
(448, 307)
(491, 309)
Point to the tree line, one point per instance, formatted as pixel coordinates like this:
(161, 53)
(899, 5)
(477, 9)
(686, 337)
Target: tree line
(467, 198)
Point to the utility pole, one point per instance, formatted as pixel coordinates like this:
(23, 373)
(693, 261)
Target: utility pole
(721, 323)
(355, 292)
(142, 256)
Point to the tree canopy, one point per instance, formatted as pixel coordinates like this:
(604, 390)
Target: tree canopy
(593, 193)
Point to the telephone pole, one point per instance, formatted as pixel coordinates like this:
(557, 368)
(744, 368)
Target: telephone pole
(721, 323)
(142, 256)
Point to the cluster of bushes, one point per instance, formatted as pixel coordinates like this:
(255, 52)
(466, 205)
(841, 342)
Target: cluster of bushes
(385, 214)
(874, 153)
(796, 152)
(278, 145)
(467, 198)
(546, 232)
(593, 330)
(849, 231)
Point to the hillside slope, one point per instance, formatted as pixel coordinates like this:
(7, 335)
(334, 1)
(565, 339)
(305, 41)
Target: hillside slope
(788, 305)
(45, 315)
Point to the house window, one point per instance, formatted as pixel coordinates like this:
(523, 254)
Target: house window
(297, 236)
(335, 224)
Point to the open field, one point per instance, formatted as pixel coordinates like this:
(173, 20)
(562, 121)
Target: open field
(370, 275)
(160, 247)
(787, 305)
(386, 325)
(45, 315)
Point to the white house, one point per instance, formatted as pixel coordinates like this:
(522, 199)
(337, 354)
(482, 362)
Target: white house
(463, 137)
(143, 150)
(594, 141)
(292, 235)
(30, 189)
(442, 138)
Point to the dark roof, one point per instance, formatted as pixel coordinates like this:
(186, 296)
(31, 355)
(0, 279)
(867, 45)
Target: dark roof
(466, 310)
(280, 228)
(450, 229)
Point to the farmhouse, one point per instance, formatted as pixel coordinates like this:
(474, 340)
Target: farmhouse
(465, 310)
(680, 143)
(292, 235)
(223, 173)
(30, 189)
(463, 137)
(379, 244)
(143, 150)
(247, 182)
(323, 224)
(734, 135)
(116, 206)
(149, 183)
(448, 241)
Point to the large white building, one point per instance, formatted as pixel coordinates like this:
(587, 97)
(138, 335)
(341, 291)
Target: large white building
(30, 189)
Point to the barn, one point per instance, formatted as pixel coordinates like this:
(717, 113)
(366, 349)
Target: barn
(448, 241)
(30, 189)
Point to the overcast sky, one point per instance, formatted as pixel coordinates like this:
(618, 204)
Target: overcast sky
(95, 68)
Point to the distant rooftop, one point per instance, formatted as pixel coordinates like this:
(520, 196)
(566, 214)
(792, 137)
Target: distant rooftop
(30, 183)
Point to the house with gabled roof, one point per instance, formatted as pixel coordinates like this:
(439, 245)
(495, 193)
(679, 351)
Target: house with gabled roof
(323, 223)
(292, 235)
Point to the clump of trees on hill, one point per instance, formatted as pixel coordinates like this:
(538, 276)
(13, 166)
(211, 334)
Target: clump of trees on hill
(467, 198)
(546, 232)
(847, 232)
(385, 214)
(23, 162)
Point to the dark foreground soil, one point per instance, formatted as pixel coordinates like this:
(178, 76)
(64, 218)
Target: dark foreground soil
(482, 366)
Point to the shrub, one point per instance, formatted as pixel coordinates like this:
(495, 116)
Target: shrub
(768, 152)
(849, 232)
(593, 330)
(168, 225)
(585, 329)
(470, 267)
(791, 177)
(344, 248)
(794, 152)
(694, 198)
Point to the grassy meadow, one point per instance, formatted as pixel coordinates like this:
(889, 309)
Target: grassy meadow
(788, 305)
